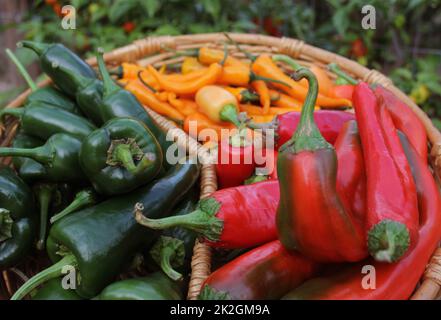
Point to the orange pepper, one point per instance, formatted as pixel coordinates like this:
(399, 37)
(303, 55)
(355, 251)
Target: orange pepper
(201, 122)
(209, 77)
(129, 70)
(162, 96)
(285, 101)
(184, 106)
(149, 99)
(209, 56)
(265, 67)
(262, 119)
(190, 64)
(148, 78)
(179, 77)
(235, 76)
(257, 111)
(264, 95)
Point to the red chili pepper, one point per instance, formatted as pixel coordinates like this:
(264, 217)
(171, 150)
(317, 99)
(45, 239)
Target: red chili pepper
(266, 272)
(404, 119)
(392, 212)
(239, 217)
(393, 280)
(129, 26)
(351, 175)
(329, 123)
(310, 216)
(358, 49)
(344, 91)
(235, 161)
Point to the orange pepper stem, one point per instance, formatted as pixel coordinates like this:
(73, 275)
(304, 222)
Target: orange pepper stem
(255, 77)
(229, 113)
(250, 56)
(145, 83)
(225, 55)
(118, 72)
(333, 67)
(288, 60)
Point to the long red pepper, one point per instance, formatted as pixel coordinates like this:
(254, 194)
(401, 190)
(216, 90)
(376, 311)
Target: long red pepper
(266, 272)
(392, 280)
(404, 119)
(239, 217)
(311, 217)
(351, 175)
(392, 212)
(329, 123)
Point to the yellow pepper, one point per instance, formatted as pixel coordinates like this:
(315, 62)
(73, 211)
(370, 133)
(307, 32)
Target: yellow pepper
(191, 64)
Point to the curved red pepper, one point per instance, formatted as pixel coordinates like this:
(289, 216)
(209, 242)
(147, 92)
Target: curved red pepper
(311, 217)
(392, 212)
(393, 280)
(266, 272)
(235, 162)
(405, 120)
(351, 175)
(239, 217)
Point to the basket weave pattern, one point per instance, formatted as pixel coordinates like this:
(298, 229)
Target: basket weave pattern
(148, 51)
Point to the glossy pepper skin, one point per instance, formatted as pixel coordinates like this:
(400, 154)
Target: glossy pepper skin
(99, 240)
(174, 248)
(392, 210)
(239, 217)
(58, 62)
(17, 218)
(156, 286)
(53, 290)
(120, 156)
(59, 156)
(28, 169)
(393, 280)
(43, 121)
(265, 273)
(404, 119)
(117, 103)
(307, 171)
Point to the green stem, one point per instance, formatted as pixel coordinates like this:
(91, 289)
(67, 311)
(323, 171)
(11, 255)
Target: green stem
(248, 96)
(229, 113)
(118, 72)
(224, 59)
(52, 272)
(203, 220)
(165, 263)
(251, 57)
(123, 154)
(109, 85)
(209, 293)
(22, 70)
(288, 60)
(255, 77)
(39, 154)
(169, 252)
(5, 225)
(44, 196)
(145, 83)
(38, 47)
(333, 67)
(307, 136)
(84, 198)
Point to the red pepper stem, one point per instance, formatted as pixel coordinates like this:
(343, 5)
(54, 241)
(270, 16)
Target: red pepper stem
(203, 220)
(44, 196)
(229, 113)
(22, 70)
(333, 67)
(288, 60)
(52, 272)
(388, 241)
(307, 136)
(109, 85)
(6, 223)
(37, 47)
(169, 252)
(82, 199)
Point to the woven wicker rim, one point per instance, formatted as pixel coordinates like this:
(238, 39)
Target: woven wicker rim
(148, 51)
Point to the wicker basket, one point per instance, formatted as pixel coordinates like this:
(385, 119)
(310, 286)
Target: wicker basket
(150, 51)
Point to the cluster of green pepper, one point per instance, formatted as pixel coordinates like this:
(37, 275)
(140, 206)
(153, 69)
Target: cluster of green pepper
(92, 154)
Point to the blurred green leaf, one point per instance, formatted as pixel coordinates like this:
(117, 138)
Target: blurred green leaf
(150, 6)
(212, 7)
(120, 8)
(341, 20)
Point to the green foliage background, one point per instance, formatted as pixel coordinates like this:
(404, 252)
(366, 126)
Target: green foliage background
(406, 43)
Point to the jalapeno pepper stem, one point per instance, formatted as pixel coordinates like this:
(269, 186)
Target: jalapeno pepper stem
(82, 199)
(22, 70)
(333, 67)
(38, 47)
(123, 154)
(109, 85)
(388, 240)
(39, 154)
(203, 220)
(52, 272)
(307, 136)
(255, 77)
(44, 197)
(229, 113)
(288, 60)
(169, 252)
(5, 225)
